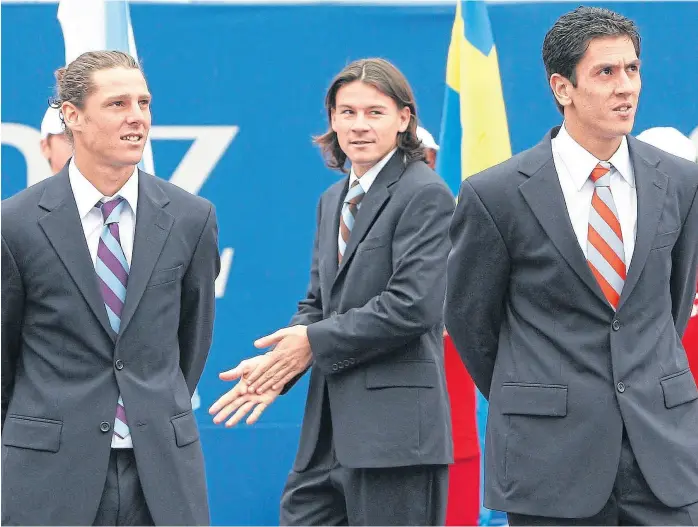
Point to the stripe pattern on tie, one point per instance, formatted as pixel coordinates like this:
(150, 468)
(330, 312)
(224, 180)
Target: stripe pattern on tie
(605, 251)
(350, 208)
(112, 273)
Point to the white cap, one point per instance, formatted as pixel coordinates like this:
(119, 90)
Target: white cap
(426, 138)
(670, 140)
(51, 124)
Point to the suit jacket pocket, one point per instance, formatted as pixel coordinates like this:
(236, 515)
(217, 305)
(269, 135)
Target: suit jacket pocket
(666, 239)
(373, 243)
(679, 388)
(34, 433)
(406, 374)
(519, 398)
(185, 428)
(164, 276)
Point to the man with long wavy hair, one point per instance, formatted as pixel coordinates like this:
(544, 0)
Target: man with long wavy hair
(376, 438)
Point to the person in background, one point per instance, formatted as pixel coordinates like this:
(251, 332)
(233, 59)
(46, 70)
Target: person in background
(55, 145)
(464, 473)
(431, 149)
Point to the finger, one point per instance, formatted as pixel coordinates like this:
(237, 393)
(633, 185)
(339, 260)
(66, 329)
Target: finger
(290, 375)
(275, 378)
(269, 361)
(228, 397)
(237, 372)
(241, 412)
(254, 416)
(270, 340)
(230, 408)
(269, 375)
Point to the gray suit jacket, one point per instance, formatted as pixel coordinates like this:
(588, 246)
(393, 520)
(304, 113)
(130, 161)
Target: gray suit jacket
(63, 366)
(564, 373)
(375, 323)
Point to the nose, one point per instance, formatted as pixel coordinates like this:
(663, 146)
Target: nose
(359, 123)
(625, 83)
(136, 115)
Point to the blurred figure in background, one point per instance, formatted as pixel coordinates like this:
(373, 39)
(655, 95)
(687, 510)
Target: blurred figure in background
(55, 145)
(464, 474)
(430, 146)
(670, 140)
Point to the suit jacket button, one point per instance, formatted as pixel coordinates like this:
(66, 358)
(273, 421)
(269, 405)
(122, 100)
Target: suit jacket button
(346, 363)
(621, 387)
(615, 325)
(104, 427)
(119, 364)
(335, 367)
(351, 361)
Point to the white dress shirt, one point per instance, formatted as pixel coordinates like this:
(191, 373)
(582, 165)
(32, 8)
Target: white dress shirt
(574, 166)
(366, 181)
(86, 197)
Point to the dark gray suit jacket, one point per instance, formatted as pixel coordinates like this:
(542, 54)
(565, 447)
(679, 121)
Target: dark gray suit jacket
(564, 373)
(63, 366)
(375, 323)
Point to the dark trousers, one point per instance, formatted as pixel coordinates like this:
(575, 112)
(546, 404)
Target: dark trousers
(328, 494)
(123, 502)
(632, 502)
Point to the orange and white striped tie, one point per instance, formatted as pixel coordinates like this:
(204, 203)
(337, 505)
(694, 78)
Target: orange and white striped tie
(605, 252)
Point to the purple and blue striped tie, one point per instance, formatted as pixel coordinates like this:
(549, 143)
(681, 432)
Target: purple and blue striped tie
(112, 272)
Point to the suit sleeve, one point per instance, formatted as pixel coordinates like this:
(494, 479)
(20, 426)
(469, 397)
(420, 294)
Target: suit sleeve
(310, 308)
(198, 303)
(684, 258)
(12, 318)
(478, 277)
(412, 301)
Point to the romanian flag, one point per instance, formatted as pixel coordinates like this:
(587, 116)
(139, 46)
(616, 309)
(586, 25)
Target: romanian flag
(474, 136)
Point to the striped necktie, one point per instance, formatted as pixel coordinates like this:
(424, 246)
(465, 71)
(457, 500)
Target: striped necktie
(351, 206)
(112, 272)
(605, 252)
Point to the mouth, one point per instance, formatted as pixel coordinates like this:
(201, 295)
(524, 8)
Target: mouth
(360, 143)
(623, 109)
(132, 138)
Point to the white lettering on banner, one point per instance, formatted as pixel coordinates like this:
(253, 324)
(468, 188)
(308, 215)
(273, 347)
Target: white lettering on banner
(694, 313)
(192, 172)
(210, 143)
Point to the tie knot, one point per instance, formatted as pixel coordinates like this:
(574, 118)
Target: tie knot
(601, 176)
(355, 194)
(111, 210)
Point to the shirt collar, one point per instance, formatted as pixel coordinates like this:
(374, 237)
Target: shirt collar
(87, 196)
(370, 176)
(580, 162)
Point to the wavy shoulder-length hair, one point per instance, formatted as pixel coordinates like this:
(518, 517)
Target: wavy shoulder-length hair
(387, 79)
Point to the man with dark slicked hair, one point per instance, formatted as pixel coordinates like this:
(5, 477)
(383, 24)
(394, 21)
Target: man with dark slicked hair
(569, 286)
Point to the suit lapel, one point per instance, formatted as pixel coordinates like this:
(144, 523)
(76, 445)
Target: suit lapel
(63, 228)
(331, 231)
(371, 205)
(651, 187)
(153, 226)
(544, 196)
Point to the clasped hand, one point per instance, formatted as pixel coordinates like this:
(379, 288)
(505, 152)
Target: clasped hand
(261, 378)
